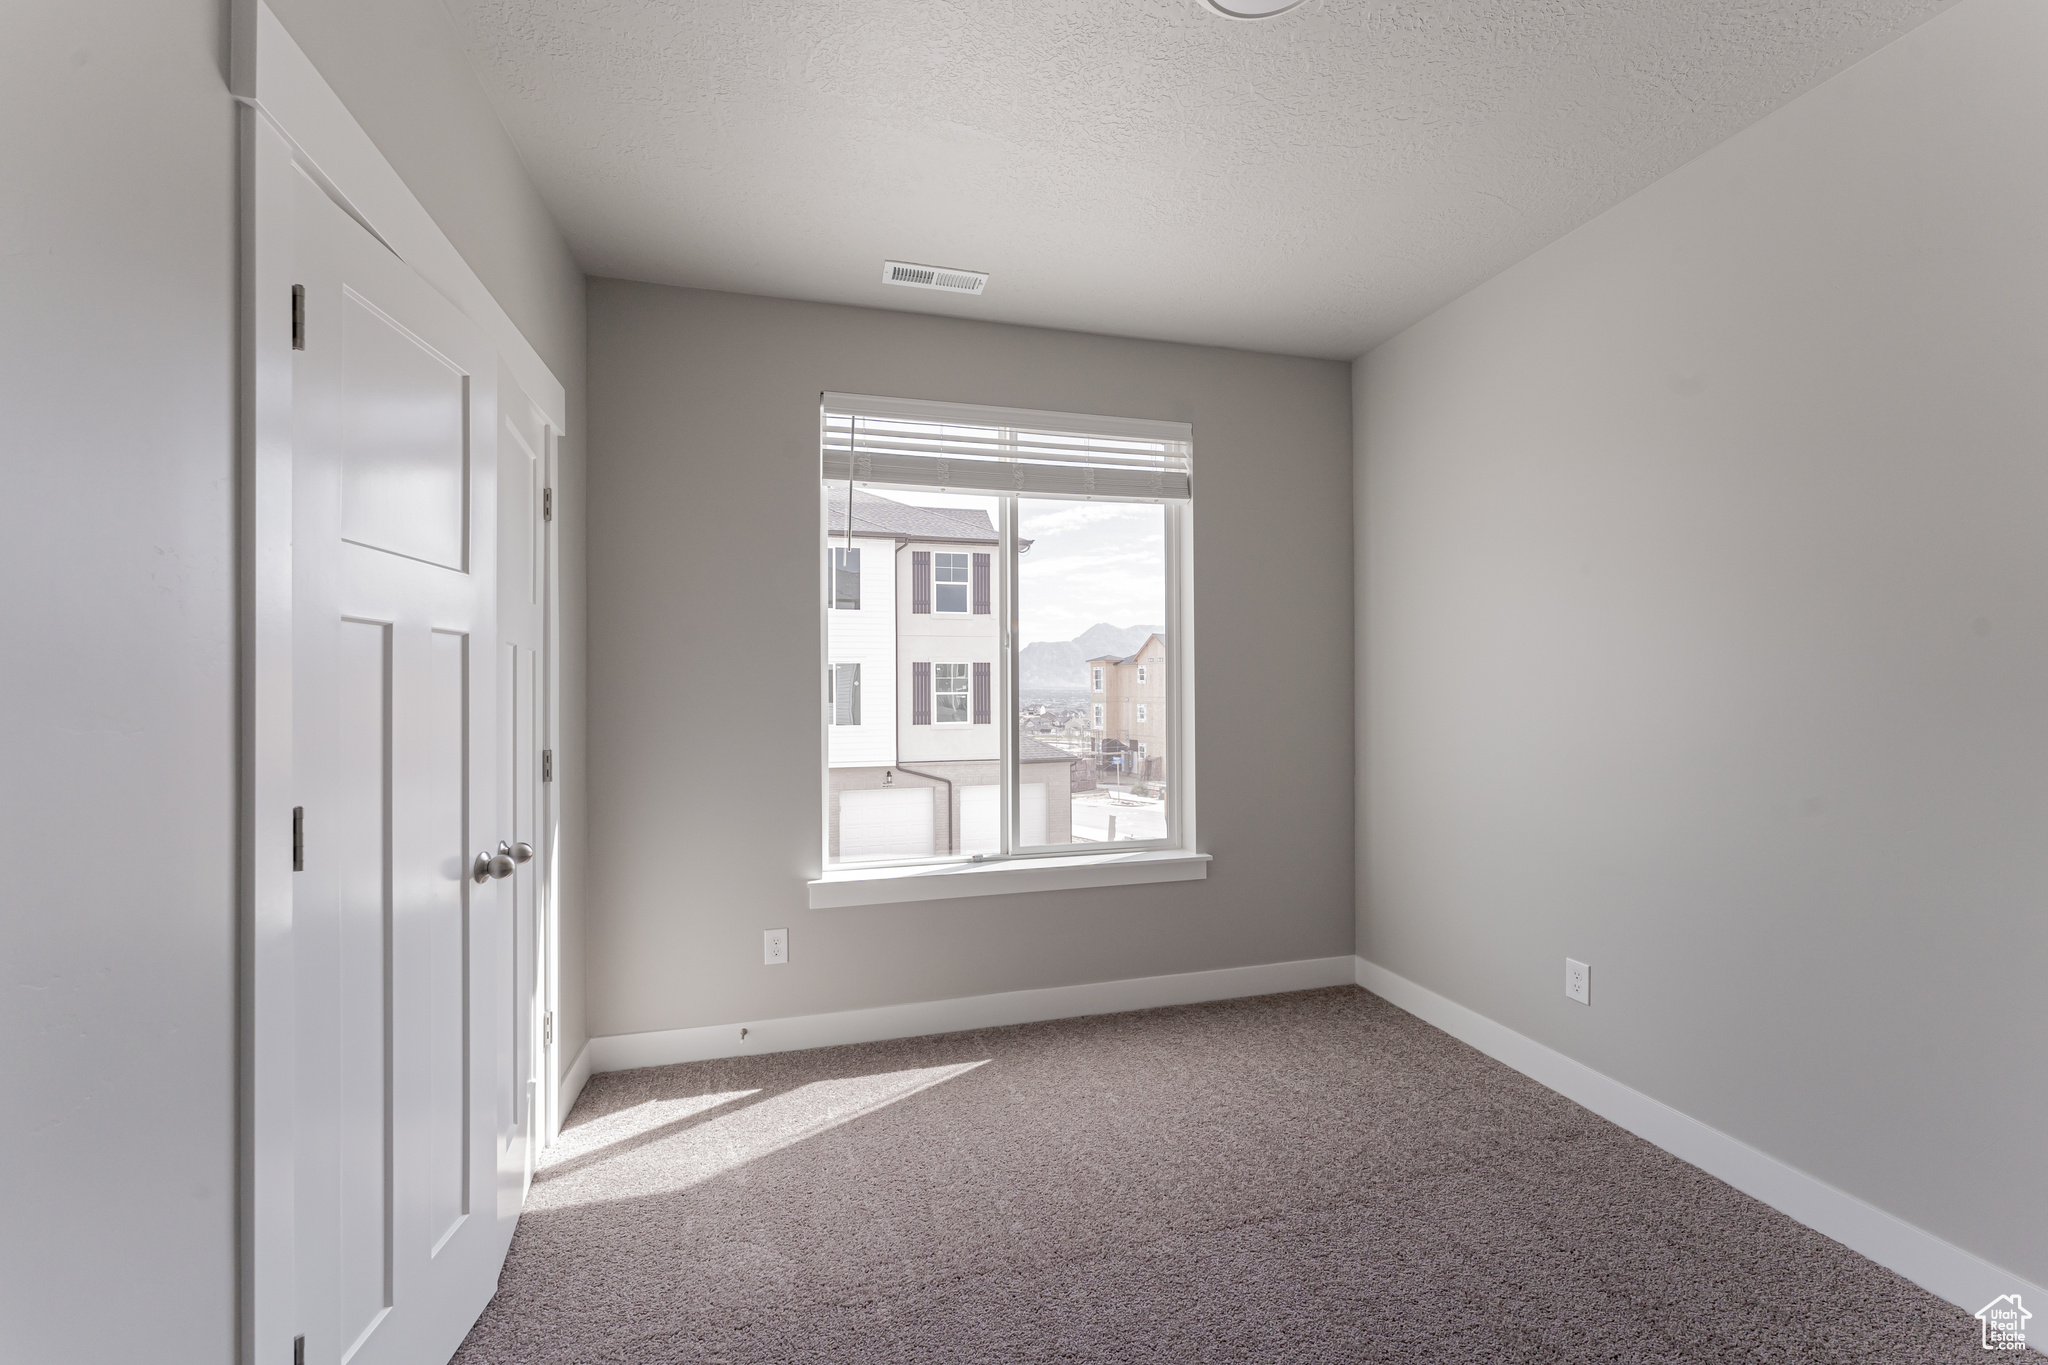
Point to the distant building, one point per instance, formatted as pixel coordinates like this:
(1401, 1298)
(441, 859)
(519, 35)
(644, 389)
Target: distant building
(1127, 710)
(914, 748)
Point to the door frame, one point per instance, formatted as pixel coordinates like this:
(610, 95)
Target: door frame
(548, 964)
(290, 120)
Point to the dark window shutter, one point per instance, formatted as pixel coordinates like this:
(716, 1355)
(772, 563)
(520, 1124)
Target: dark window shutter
(981, 716)
(921, 597)
(981, 585)
(921, 685)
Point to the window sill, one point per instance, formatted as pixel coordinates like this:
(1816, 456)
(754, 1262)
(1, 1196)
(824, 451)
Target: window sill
(895, 885)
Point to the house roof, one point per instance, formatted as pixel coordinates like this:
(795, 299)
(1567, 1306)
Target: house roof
(1031, 750)
(1134, 658)
(879, 516)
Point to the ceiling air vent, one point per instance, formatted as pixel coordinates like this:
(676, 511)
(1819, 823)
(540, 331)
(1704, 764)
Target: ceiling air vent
(933, 277)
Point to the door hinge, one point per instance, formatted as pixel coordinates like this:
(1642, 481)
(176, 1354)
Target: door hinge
(547, 1029)
(298, 317)
(547, 765)
(298, 838)
(547, 504)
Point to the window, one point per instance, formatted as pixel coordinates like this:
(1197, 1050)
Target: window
(1002, 563)
(846, 578)
(949, 582)
(949, 694)
(842, 693)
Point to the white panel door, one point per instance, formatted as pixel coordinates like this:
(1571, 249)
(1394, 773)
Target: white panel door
(886, 822)
(402, 959)
(523, 437)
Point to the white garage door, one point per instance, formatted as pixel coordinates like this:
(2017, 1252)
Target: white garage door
(981, 818)
(886, 822)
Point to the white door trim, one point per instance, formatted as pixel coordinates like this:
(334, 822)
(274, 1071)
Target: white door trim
(292, 117)
(551, 1108)
(271, 73)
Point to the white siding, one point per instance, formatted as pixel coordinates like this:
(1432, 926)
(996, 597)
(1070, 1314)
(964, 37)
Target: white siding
(867, 637)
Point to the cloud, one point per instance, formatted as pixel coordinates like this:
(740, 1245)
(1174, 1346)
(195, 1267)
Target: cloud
(1137, 518)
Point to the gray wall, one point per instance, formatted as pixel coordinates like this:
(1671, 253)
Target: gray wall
(117, 719)
(400, 68)
(117, 364)
(704, 660)
(1704, 636)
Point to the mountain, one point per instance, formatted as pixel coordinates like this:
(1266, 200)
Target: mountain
(1064, 663)
(1103, 638)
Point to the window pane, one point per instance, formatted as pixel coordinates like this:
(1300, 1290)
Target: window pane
(1091, 606)
(846, 579)
(846, 694)
(907, 617)
(949, 694)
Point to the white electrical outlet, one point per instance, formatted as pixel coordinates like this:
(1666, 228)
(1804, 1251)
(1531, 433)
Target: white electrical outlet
(1578, 981)
(774, 947)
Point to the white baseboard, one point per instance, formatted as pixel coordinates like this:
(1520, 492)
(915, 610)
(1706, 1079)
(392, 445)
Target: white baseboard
(573, 1081)
(622, 1051)
(1940, 1267)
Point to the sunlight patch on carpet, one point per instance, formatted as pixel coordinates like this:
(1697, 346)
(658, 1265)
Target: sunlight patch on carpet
(649, 1162)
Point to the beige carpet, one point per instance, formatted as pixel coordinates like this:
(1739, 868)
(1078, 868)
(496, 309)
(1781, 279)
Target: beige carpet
(1306, 1177)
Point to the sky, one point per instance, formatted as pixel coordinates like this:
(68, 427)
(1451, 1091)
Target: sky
(1088, 562)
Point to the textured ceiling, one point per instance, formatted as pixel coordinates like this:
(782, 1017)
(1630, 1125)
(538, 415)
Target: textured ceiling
(1307, 184)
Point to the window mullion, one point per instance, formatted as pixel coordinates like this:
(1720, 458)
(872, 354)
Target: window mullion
(1006, 683)
(1177, 654)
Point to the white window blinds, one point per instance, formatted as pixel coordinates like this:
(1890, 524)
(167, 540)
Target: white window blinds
(958, 446)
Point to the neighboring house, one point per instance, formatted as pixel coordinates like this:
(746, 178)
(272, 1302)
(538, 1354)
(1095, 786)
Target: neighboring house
(911, 681)
(1127, 709)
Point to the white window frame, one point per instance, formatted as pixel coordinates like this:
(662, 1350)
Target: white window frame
(1141, 713)
(966, 585)
(965, 693)
(1176, 857)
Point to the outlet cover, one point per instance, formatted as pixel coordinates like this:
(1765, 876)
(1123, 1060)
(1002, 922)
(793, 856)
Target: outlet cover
(774, 947)
(1578, 981)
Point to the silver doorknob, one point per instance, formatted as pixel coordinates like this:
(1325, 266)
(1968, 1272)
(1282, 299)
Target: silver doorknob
(489, 865)
(503, 863)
